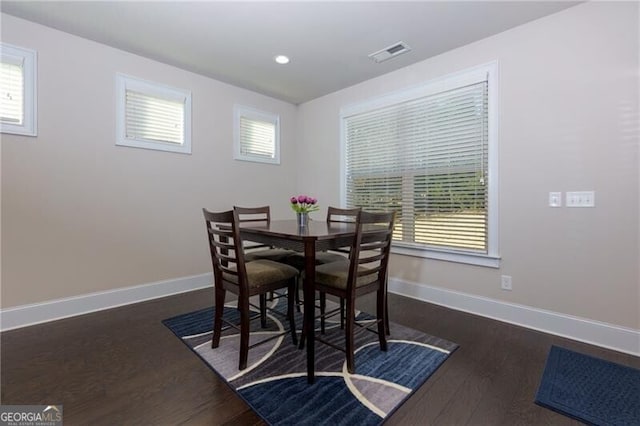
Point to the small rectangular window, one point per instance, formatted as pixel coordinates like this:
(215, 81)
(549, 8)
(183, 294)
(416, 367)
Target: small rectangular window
(153, 116)
(18, 90)
(256, 136)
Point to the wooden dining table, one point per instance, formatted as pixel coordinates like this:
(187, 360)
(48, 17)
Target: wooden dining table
(315, 236)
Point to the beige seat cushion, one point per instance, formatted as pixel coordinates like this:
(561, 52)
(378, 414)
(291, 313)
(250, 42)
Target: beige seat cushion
(297, 260)
(335, 275)
(270, 254)
(263, 272)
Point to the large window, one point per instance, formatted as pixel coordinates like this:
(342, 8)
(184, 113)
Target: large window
(256, 135)
(429, 154)
(18, 69)
(153, 116)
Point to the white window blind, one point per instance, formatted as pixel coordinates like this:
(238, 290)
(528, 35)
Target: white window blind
(256, 135)
(12, 91)
(154, 119)
(153, 116)
(18, 70)
(427, 159)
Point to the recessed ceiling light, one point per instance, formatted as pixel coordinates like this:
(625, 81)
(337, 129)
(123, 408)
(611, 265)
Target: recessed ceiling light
(281, 59)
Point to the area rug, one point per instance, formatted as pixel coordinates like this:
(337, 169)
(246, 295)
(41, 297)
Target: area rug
(590, 389)
(275, 384)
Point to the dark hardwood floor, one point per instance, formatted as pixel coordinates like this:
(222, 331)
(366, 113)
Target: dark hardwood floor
(122, 366)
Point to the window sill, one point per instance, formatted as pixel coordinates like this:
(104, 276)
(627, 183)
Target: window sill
(448, 256)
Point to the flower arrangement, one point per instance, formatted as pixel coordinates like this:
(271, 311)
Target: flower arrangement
(304, 204)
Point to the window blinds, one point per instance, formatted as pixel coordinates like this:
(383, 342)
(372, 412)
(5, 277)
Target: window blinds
(11, 93)
(426, 158)
(153, 118)
(257, 138)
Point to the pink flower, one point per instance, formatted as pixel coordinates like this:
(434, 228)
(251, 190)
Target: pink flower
(302, 198)
(293, 200)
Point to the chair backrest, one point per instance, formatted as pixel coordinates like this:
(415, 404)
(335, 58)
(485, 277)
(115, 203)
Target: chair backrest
(370, 251)
(225, 244)
(253, 214)
(335, 214)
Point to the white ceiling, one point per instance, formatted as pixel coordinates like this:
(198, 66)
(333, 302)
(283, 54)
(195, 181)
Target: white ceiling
(328, 42)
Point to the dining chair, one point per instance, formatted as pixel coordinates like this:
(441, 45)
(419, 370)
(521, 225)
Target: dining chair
(365, 272)
(258, 216)
(334, 215)
(245, 279)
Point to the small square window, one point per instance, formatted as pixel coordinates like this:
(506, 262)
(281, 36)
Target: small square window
(256, 136)
(153, 116)
(18, 69)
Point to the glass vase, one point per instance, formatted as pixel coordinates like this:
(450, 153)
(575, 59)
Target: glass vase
(303, 219)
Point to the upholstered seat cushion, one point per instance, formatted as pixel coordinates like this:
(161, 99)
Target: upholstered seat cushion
(297, 260)
(263, 272)
(335, 275)
(276, 255)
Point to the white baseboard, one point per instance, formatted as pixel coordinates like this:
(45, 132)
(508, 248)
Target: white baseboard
(22, 316)
(597, 333)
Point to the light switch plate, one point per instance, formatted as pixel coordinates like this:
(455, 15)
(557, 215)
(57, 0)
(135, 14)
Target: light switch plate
(555, 199)
(581, 199)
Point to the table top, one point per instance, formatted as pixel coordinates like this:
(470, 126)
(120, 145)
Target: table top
(315, 229)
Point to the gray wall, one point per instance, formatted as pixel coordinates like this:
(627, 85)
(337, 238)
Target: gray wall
(568, 122)
(80, 215)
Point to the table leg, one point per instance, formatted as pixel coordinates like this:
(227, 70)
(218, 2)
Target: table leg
(309, 306)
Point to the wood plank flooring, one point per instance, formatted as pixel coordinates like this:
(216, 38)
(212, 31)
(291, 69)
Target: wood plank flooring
(122, 366)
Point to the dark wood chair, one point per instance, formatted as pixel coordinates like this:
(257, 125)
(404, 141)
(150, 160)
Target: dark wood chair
(245, 279)
(365, 272)
(260, 215)
(334, 215)
(253, 251)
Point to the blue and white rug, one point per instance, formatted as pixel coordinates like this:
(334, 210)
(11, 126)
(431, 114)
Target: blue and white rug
(275, 384)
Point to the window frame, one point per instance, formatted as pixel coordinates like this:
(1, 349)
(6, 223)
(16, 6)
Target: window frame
(29, 60)
(488, 72)
(125, 82)
(240, 111)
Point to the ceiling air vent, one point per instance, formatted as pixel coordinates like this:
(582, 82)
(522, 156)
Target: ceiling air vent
(390, 52)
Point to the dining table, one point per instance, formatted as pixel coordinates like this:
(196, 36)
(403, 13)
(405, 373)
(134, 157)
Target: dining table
(313, 237)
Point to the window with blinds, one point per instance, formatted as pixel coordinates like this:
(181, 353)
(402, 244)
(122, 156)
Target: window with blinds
(153, 116)
(425, 154)
(12, 89)
(256, 135)
(18, 90)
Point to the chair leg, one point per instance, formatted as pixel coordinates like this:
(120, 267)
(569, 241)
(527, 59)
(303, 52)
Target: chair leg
(386, 314)
(263, 310)
(351, 313)
(217, 317)
(298, 293)
(381, 315)
(302, 337)
(323, 309)
(290, 303)
(244, 334)
(342, 313)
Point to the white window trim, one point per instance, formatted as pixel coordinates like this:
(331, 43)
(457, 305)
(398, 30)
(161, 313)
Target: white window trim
(490, 73)
(29, 60)
(124, 82)
(252, 113)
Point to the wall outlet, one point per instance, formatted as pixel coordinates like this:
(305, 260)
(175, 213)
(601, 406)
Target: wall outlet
(505, 282)
(581, 199)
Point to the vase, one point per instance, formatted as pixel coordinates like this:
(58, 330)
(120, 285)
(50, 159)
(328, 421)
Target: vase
(303, 219)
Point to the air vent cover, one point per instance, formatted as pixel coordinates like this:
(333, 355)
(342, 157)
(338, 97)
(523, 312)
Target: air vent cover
(390, 52)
